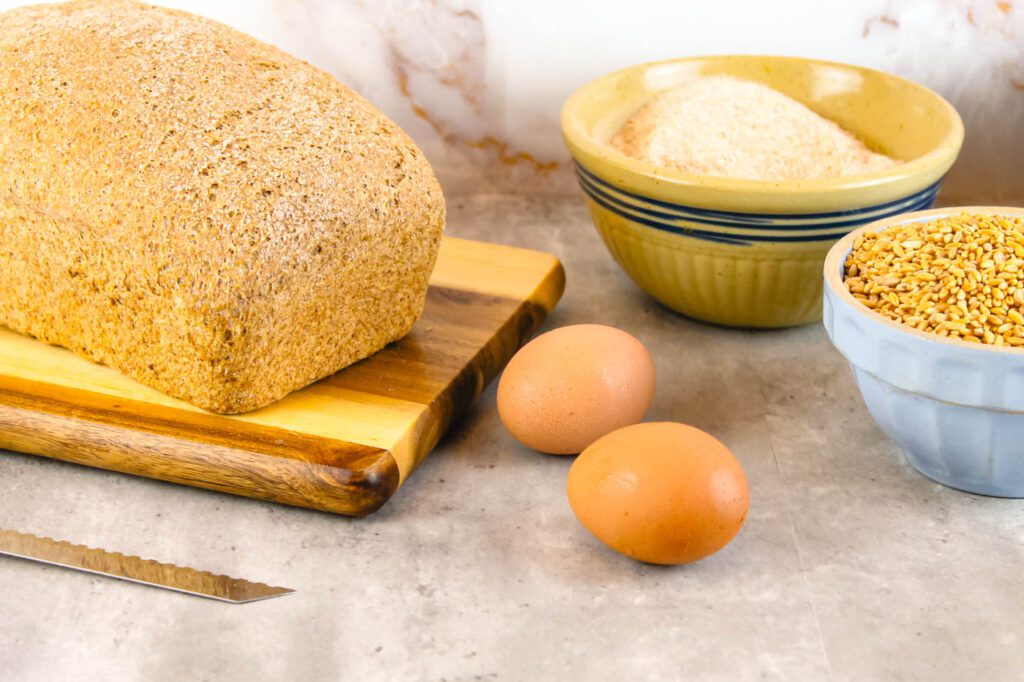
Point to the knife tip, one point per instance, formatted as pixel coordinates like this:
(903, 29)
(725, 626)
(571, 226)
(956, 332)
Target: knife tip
(278, 592)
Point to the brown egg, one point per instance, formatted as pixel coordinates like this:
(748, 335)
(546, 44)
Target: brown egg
(663, 493)
(568, 387)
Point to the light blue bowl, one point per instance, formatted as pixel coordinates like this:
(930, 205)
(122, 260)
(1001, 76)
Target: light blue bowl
(955, 408)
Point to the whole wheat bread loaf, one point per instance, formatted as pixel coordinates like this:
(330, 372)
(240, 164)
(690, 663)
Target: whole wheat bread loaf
(207, 214)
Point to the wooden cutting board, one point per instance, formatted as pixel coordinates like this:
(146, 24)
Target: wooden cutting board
(344, 444)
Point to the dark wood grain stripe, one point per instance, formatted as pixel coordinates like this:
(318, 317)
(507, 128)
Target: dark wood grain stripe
(454, 326)
(453, 401)
(194, 448)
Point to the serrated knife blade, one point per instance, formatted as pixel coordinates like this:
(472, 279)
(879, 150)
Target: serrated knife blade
(134, 569)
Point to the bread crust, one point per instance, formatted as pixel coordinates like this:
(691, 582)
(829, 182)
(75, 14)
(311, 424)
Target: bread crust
(202, 211)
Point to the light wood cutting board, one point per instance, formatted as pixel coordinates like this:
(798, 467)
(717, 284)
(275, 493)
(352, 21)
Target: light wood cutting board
(344, 444)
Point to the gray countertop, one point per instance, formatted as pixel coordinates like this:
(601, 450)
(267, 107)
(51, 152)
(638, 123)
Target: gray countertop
(851, 565)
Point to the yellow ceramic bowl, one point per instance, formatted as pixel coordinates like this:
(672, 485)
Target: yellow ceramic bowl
(749, 253)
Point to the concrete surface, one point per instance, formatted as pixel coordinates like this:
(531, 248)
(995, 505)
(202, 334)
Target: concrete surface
(850, 567)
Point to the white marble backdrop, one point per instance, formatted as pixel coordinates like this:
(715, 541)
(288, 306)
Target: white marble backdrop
(479, 83)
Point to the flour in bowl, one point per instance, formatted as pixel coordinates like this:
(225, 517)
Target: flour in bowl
(720, 125)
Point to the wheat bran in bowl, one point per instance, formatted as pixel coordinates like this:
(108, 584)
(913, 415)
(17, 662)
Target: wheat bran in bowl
(725, 126)
(960, 277)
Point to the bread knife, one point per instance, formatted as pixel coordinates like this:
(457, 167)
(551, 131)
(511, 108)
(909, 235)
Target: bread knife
(134, 569)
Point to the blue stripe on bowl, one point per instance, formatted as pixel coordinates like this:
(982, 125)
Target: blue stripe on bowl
(751, 219)
(670, 221)
(745, 228)
(699, 234)
(722, 237)
(756, 221)
(753, 231)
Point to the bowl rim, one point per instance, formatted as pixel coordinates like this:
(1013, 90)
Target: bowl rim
(932, 164)
(841, 249)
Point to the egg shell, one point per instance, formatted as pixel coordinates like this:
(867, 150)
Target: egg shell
(570, 386)
(662, 493)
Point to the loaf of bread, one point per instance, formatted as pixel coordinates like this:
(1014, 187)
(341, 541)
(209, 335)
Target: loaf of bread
(211, 216)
